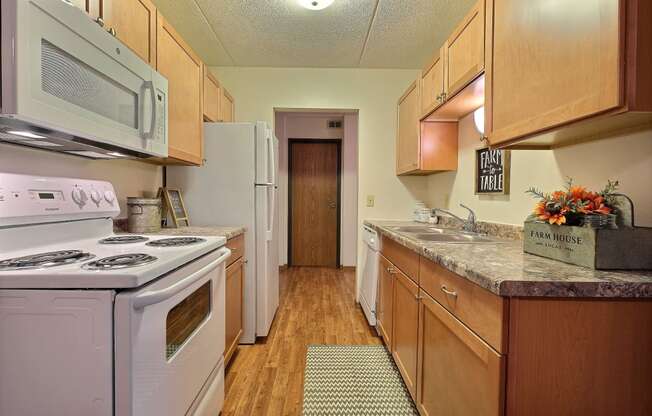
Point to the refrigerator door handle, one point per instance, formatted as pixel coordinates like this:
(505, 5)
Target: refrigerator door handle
(265, 184)
(272, 155)
(270, 225)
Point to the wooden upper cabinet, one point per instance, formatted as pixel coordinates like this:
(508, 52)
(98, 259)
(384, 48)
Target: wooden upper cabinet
(384, 309)
(465, 51)
(211, 97)
(459, 374)
(176, 61)
(134, 22)
(92, 7)
(406, 319)
(407, 143)
(423, 148)
(432, 84)
(227, 106)
(551, 65)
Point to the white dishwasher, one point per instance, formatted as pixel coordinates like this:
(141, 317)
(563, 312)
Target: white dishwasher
(369, 283)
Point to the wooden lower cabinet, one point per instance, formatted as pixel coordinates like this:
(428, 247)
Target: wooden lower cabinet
(406, 314)
(459, 374)
(384, 308)
(235, 273)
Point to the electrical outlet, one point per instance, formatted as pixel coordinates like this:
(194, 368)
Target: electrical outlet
(371, 200)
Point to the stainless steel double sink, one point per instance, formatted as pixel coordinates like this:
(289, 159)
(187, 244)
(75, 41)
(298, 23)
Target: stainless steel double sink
(441, 235)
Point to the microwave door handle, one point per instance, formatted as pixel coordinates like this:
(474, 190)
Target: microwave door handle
(152, 297)
(149, 135)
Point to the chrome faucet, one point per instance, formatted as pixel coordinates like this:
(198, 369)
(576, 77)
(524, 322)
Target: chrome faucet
(468, 224)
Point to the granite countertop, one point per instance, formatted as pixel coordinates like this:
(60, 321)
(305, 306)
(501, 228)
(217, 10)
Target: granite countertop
(211, 230)
(504, 269)
(120, 227)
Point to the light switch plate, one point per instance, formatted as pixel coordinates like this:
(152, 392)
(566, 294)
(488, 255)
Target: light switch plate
(370, 200)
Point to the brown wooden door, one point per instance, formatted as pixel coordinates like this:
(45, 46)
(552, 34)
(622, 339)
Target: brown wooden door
(459, 374)
(406, 328)
(314, 205)
(385, 303)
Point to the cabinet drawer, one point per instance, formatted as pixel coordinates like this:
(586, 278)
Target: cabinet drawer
(236, 245)
(402, 257)
(481, 310)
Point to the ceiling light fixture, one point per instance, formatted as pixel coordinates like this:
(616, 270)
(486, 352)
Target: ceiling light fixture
(315, 4)
(478, 119)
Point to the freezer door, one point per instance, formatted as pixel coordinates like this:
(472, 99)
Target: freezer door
(265, 155)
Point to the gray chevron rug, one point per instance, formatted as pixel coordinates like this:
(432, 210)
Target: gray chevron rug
(353, 380)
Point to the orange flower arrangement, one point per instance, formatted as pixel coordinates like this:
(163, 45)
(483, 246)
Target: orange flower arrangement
(569, 206)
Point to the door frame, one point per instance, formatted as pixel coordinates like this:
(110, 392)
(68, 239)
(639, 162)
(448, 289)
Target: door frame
(338, 235)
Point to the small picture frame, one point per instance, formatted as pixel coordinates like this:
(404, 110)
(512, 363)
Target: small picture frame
(173, 205)
(492, 171)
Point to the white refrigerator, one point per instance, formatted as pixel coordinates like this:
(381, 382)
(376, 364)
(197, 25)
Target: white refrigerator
(237, 186)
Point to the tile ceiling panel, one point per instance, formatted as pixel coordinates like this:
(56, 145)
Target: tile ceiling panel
(188, 19)
(406, 33)
(282, 33)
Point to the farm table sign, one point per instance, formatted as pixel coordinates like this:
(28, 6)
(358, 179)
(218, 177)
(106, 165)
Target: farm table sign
(492, 171)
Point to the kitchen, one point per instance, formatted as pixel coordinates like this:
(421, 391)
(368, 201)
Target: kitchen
(411, 77)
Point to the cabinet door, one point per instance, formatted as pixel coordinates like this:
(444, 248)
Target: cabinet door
(384, 307)
(459, 374)
(134, 22)
(432, 84)
(406, 329)
(233, 314)
(551, 64)
(407, 141)
(92, 7)
(227, 106)
(183, 69)
(211, 96)
(465, 50)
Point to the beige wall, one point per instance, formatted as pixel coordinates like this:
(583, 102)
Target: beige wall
(373, 92)
(627, 158)
(130, 178)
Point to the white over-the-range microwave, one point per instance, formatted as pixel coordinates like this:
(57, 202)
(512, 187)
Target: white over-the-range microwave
(70, 86)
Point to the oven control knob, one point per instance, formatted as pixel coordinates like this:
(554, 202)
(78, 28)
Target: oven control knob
(109, 196)
(79, 196)
(96, 197)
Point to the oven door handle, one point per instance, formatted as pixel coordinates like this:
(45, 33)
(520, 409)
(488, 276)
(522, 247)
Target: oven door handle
(157, 296)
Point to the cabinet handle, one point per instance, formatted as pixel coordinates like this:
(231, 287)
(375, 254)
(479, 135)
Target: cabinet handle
(417, 297)
(113, 32)
(391, 270)
(99, 21)
(448, 291)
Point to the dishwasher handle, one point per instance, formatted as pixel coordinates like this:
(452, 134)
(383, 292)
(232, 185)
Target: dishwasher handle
(152, 297)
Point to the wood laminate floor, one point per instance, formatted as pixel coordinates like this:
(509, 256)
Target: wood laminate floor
(317, 306)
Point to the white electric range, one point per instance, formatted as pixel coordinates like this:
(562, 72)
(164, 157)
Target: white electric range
(93, 323)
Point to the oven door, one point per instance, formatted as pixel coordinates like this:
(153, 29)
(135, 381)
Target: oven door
(169, 336)
(69, 75)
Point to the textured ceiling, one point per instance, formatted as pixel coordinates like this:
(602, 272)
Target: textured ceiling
(348, 34)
